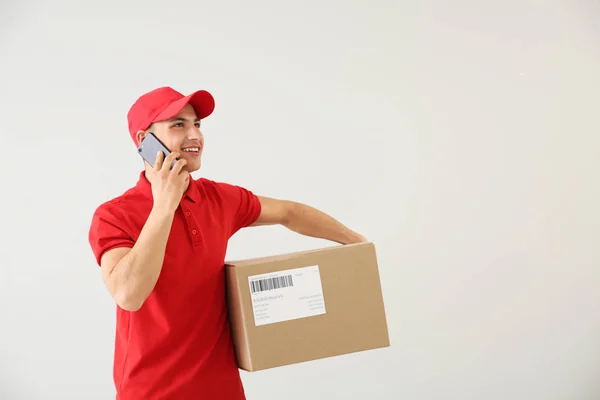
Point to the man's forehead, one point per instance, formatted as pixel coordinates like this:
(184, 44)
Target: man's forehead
(187, 114)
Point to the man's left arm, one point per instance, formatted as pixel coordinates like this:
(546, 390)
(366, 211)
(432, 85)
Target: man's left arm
(305, 220)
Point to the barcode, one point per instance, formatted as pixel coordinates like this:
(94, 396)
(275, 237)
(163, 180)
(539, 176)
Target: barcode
(262, 285)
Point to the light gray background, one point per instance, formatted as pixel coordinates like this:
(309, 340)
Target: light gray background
(461, 137)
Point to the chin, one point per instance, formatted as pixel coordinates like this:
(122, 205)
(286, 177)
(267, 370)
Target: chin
(192, 167)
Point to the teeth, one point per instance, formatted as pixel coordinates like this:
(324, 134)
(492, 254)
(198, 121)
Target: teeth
(191, 149)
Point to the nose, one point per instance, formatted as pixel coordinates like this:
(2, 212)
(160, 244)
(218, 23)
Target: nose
(194, 133)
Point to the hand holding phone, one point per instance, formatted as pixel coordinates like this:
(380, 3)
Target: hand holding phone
(168, 184)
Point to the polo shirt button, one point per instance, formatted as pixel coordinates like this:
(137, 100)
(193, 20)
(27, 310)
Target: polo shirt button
(188, 213)
(194, 232)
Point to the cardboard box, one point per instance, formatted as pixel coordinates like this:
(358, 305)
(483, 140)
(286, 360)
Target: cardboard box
(305, 306)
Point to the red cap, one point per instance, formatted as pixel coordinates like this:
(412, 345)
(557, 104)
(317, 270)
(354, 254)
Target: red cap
(165, 103)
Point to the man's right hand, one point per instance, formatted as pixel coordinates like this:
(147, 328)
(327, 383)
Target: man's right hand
(168, 185)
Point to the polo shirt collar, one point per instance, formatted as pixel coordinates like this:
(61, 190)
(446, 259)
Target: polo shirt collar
(144, 186)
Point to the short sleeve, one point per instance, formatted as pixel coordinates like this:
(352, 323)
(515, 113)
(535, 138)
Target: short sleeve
(107, 232)
(245, 206)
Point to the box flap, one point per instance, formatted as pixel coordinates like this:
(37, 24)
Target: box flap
(279, 257)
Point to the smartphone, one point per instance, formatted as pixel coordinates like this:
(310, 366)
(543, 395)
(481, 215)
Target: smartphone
(150, 147)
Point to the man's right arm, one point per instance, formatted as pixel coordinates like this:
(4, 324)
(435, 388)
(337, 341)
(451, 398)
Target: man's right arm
(130, 274)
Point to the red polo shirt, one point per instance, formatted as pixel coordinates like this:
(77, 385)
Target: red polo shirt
(178, 345)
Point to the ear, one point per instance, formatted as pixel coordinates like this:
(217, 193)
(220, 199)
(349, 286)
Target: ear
(139, 136)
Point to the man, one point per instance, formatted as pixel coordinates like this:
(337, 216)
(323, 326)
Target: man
(161, 248)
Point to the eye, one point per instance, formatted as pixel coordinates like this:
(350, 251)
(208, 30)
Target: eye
(197, 124)
(178, 125)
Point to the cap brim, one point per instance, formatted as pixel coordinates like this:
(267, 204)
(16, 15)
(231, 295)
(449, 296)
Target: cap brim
(201, 100)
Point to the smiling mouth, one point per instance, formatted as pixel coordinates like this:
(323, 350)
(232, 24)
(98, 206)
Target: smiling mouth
(193, 150)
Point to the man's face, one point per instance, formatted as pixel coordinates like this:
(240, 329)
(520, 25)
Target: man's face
(181, 133)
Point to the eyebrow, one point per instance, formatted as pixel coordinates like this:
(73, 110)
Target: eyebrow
(182, 119)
